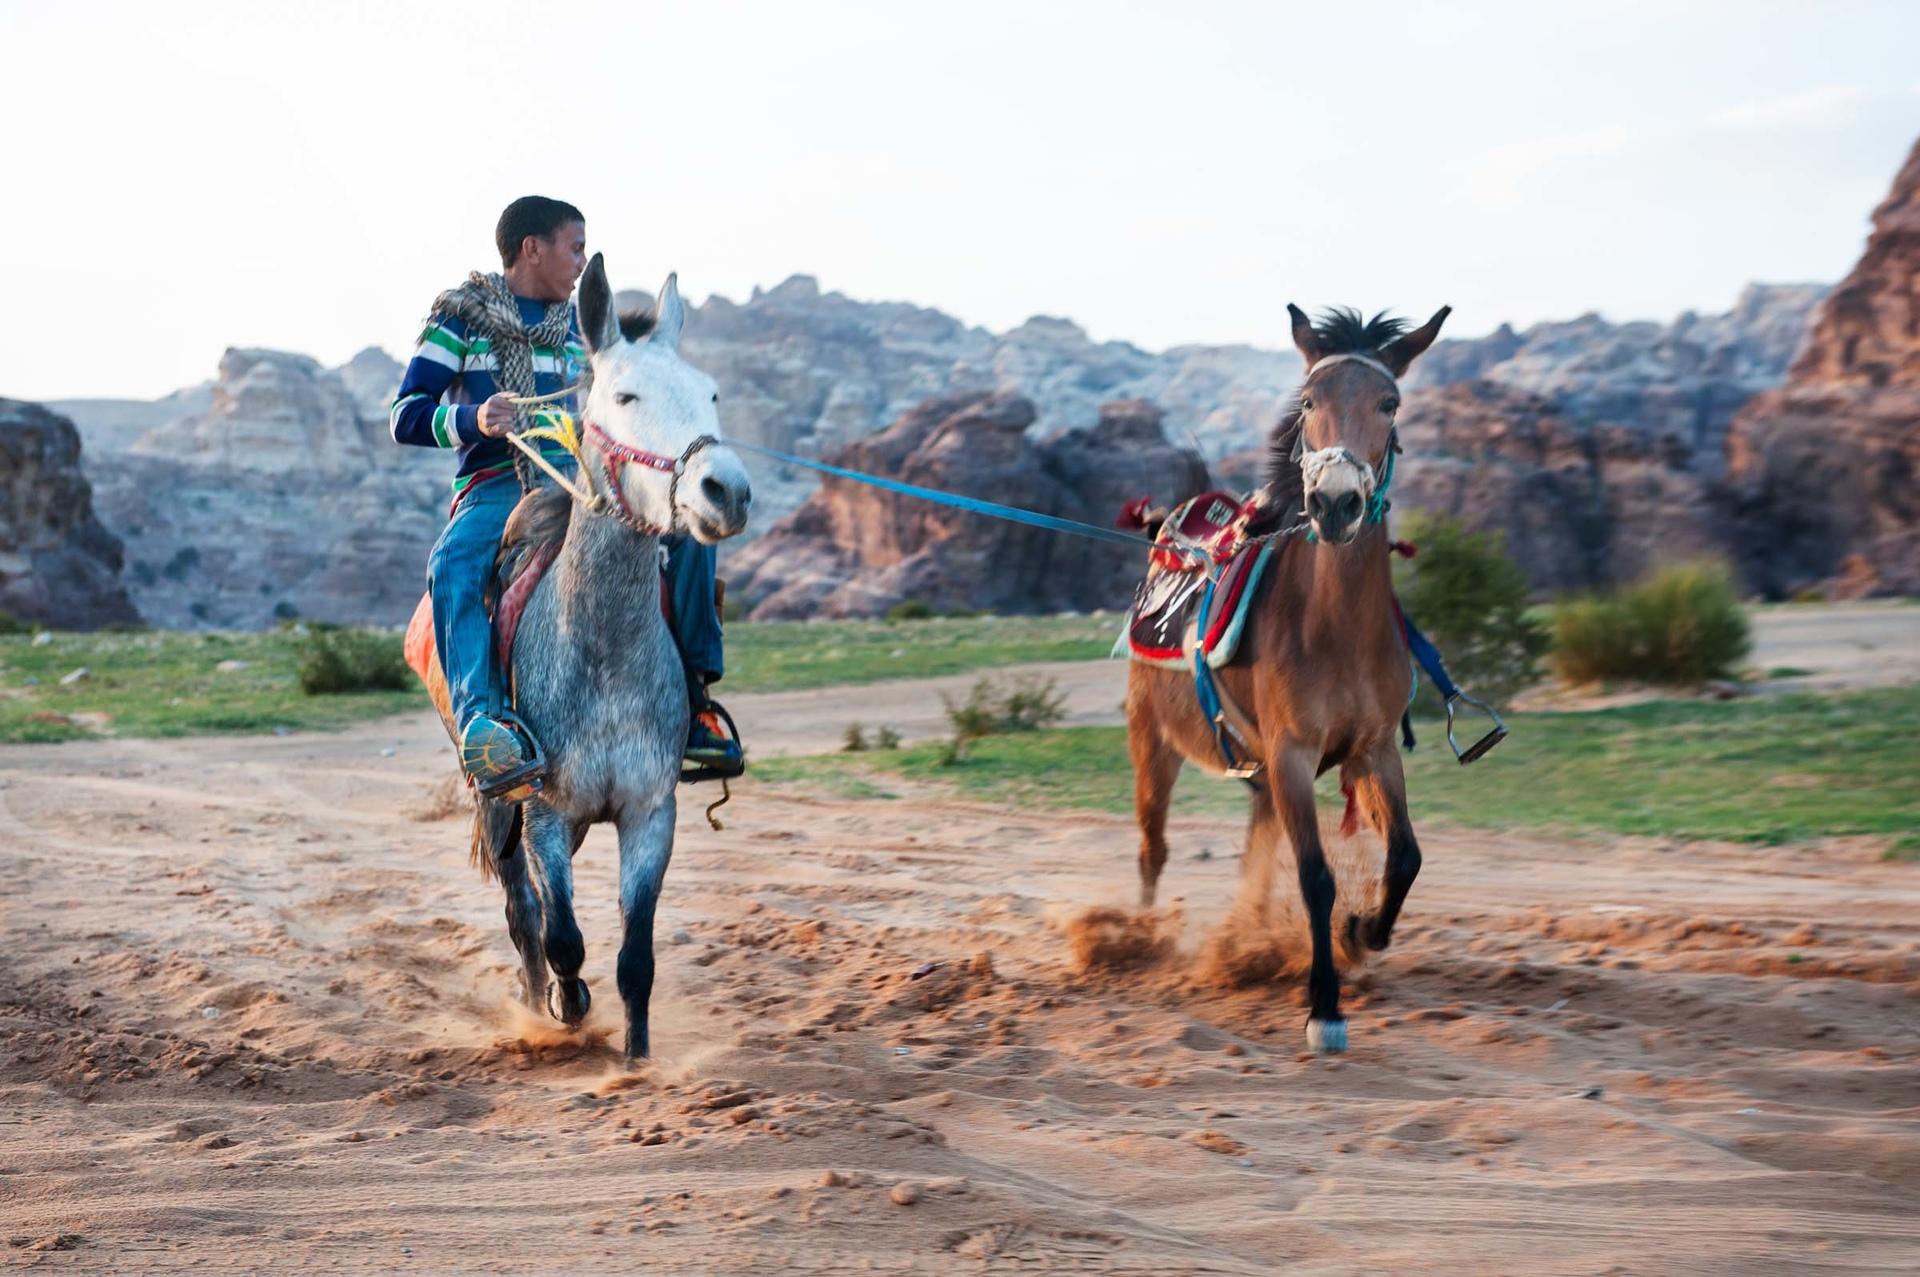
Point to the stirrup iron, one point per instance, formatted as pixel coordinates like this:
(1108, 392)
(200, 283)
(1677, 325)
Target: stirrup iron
(1479, 748)
(525, 780)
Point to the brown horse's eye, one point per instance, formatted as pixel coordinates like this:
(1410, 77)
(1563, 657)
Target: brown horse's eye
(1306, 403)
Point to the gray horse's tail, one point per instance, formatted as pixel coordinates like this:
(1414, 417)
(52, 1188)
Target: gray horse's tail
(496, 834)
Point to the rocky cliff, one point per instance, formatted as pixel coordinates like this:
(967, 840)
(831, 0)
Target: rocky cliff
(854, 550)
(58, 565)
(1822, 471)
(284, 497)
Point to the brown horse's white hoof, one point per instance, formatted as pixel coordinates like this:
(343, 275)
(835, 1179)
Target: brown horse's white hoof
(1327, 1037)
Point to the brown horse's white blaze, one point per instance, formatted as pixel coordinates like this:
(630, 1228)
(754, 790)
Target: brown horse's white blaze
(1323, 671)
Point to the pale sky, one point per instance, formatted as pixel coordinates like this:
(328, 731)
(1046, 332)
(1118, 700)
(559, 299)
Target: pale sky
(181, 177)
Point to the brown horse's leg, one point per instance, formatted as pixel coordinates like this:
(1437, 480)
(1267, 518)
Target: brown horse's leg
(1381, 788)
(1156, 765)
(1291, 779)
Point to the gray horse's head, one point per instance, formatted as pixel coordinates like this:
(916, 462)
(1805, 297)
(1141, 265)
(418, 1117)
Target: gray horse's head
(648, 399)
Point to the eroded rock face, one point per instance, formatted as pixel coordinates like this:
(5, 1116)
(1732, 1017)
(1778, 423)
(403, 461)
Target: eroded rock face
(58, 565)
(285, 497)
(1580, 503)
(810, 372)
(854, 550)
(1677, 384)
(1822, 471)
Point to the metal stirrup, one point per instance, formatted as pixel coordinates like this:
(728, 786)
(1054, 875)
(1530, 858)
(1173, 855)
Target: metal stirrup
(1479, 748)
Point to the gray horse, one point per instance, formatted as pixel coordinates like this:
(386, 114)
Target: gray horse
(595, 671)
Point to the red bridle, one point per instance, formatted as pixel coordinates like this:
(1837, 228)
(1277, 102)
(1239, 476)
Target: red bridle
(615, 455)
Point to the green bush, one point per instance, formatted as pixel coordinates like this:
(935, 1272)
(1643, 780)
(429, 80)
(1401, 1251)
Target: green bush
(1470, 598)
(910, 610)
(10, 624)
(1681, 626)
(854, 739)
(334, 660)
(1032, 703)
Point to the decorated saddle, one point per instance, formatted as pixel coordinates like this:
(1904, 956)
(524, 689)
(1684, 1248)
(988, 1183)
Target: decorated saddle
(1200, 580)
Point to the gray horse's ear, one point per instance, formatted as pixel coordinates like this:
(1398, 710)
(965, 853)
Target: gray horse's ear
(598, 324)
(669, 314)
(1305, 340)
(1407, 347)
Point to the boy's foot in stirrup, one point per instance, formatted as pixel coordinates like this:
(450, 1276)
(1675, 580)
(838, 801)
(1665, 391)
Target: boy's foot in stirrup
(711, 746)
(497, 759)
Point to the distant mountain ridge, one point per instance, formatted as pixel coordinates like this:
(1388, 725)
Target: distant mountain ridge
(273, 490)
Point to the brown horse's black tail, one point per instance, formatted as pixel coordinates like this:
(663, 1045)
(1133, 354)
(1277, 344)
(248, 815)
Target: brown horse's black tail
(496, 834)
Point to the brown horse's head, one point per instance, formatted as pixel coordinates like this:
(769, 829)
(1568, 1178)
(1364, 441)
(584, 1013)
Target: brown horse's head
(1342, 422)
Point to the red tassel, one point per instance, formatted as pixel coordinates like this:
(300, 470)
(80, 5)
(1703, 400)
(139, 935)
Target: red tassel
(1405, 549)
(1350, 822)
(1134, 513)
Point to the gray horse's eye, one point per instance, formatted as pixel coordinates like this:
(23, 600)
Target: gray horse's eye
(623, 398)
(716, 396)
(1389, 406)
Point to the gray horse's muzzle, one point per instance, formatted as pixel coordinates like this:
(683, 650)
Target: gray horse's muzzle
(715, 495)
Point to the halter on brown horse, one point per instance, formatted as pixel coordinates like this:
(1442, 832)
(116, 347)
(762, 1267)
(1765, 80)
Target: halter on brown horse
(1322, 673)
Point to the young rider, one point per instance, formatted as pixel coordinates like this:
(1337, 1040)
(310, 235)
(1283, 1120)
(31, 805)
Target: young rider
(492, 339)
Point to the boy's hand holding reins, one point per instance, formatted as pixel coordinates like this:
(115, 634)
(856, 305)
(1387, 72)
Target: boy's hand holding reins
(496, 416)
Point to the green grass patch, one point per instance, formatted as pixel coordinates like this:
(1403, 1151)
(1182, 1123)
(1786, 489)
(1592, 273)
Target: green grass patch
(1768, 770)
(168, 684)
(781, 656)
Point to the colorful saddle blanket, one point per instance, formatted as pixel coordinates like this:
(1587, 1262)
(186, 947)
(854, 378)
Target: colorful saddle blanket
(1198, 558)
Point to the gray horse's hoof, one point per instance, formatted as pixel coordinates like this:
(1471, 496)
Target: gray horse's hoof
(573, 1004)
(1327, 1037)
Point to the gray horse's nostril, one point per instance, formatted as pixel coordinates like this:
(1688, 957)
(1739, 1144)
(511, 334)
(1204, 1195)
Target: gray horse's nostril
(715, 491)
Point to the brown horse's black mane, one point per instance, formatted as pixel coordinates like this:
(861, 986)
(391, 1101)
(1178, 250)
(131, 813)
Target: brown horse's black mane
(1340, 330)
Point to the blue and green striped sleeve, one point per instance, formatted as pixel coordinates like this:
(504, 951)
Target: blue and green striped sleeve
(418, 416)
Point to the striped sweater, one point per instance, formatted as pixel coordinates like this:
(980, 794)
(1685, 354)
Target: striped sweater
(452, 373)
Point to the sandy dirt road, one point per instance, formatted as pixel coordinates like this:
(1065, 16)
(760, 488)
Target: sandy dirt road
(255, 1016)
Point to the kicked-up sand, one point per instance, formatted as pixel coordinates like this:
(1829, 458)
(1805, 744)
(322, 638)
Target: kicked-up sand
(255, 1015)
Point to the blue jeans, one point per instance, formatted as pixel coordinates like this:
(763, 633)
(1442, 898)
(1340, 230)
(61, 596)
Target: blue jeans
(460, 571)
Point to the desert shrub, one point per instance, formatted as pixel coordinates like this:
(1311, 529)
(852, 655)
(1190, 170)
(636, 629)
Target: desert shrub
(910, 610)
(886, 738)
(1032, 702)
(335, 660)
(10, 624)
(1680, 626)
(854, 739)
(1468, 596)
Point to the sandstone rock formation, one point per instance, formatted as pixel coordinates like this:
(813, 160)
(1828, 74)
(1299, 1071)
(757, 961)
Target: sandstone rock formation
(58, 565)
(1822, 471)
(1581, 503)
(854, 550)
(283, 498)
(1677, 384)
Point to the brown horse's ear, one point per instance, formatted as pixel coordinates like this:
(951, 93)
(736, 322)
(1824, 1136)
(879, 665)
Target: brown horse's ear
(1305, 340)
(1407, 347)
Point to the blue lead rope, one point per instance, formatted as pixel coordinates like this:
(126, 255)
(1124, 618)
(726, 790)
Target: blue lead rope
(1012, 514)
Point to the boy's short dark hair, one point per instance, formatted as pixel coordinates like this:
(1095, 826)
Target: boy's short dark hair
(531, 215)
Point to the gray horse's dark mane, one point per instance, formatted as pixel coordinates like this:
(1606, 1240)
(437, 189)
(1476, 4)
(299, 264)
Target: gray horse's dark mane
(636, 323)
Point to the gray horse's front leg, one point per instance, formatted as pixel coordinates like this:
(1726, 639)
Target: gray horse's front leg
(646, 845)
(551, 839)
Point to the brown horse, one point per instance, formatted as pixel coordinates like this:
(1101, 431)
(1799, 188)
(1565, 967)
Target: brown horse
(1322, 673)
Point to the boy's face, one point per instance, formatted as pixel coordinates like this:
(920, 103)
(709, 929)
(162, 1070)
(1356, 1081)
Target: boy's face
(553, 264)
